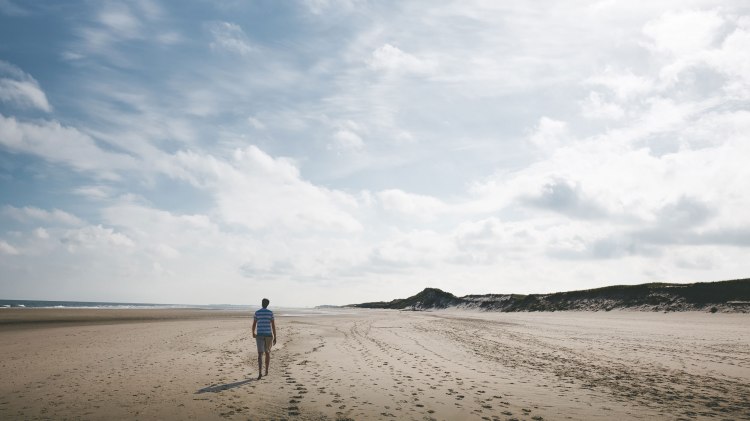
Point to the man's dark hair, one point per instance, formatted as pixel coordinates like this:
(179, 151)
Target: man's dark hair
(265, 302)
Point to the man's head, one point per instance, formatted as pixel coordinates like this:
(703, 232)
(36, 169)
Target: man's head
(265, 302)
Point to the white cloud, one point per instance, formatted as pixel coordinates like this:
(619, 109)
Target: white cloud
(483, 242)
(684, 32)
(166, 251)
(417, 205)
(595, 107)
(666, 114)
(549, 134)
(169, 38)
(30, 213)
(348, 140)
(230, 37)
(392, 59)
(114, 25)
(733, 60)
(328, 7)
(256, 123)
(56, 143)
(96, 237)
(407, 249)
(20, 89)
(567, 199)
(624, 84)
(347, 136)
(41, 233)
(6, 248)
(258, 191)
(93, 192)
(119, 19)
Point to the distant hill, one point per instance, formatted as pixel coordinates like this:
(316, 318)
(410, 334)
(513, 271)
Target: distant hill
(724, 296)
(429, 298)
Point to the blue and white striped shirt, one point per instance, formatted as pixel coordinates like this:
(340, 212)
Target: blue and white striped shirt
(264, 317)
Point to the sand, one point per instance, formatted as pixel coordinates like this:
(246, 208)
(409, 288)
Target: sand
(375, 364)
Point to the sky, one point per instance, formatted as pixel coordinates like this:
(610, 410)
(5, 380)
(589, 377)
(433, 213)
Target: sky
(334, 152)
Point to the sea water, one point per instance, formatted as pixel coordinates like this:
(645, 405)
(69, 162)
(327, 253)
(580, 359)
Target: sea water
(279, 311)
(112, 305)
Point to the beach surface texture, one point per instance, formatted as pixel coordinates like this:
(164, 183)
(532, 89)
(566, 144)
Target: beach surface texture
(374, 364)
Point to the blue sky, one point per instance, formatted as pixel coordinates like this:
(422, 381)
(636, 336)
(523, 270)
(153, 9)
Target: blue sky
(330, 152)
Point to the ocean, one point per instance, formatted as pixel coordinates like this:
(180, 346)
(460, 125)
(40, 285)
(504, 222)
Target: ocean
(280, 311)
(100, 304)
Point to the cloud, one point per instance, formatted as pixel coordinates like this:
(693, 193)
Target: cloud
(684, 32)
(20, 89)
(56, 143)
(488, 241)
(567, 199)
(95, 237)
(115, 25)
(389, 58)
(685, 213)
(119, 19)
(409, 249)
(683, 222)
(595, 107)
(6, 248)
(619, 247)
(549, 134)
(348, 140)
(93, 192)
(696, 260)
(10, 8)
(623, 84)
(258, 191)
(328, 7)
(256, 123)
(41, 233)
(417, 205)
(732, 59)
(230, 37)
(30, 213)
(275, 268)
(347, 136)
(169, 38)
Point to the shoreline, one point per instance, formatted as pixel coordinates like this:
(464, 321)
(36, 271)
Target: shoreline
(19, 318)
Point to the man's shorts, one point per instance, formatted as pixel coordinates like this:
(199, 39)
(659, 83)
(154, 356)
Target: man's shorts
(264, 343)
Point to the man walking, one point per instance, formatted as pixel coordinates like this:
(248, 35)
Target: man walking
(265, 335)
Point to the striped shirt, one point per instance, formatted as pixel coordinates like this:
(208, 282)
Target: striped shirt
(264, 317)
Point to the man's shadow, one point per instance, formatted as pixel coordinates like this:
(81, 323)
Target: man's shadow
(216, 388)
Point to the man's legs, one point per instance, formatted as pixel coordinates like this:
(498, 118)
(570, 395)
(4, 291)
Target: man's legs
(260, 364)
(268, 360)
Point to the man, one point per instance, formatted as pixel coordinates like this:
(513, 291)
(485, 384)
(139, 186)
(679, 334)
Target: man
(265, 335)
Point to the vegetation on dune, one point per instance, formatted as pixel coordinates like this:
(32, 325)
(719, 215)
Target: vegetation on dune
(429, 298)
(731, 295)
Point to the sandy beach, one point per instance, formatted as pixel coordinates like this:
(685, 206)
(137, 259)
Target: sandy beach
(375, 364)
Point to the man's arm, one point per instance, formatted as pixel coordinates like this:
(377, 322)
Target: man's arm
(255, 323)
(273, 327)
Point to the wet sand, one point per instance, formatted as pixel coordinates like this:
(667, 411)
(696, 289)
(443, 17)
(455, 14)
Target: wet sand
(369, 364)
